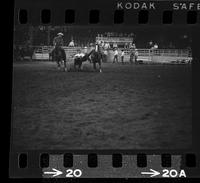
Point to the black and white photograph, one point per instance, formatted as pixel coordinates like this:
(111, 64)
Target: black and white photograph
(101, 87)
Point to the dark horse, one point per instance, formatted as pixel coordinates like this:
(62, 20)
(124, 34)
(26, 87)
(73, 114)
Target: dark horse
(96, 57)
(58, 54)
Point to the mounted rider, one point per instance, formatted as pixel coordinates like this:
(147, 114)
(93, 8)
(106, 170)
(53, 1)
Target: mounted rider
(97, 46)
(98, 50)
(58, 43)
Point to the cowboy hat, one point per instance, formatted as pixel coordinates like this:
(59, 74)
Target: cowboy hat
(60, 34)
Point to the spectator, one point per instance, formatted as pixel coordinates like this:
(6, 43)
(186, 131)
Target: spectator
(98, 42)
(122, 56)
(105, 54)
(71, 44)
(102, 44)
(130, 45)
(85, 50)
(133, 56)
(150, 46)
(155, 46)
(126, 45)
(115, 45)
(136, 56)
(107, 45)
(115, 55)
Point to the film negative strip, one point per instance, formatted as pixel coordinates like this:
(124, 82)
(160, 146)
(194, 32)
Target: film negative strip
(70, 165)
(105, 89)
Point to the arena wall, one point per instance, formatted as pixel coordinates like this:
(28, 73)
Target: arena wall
(145, 55)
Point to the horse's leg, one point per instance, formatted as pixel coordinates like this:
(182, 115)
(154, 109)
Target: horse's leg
(89, 59)
(113, 60)
(136, 60)
(65, 65)
(79, 66)
(53, 57)
(131, 60)
(58, 64)
(100, 66)
(75, 65)
(56, 54)
(64, 59)
(94, 65)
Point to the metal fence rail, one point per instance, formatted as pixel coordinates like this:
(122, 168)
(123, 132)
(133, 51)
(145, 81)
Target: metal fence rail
(43, 53)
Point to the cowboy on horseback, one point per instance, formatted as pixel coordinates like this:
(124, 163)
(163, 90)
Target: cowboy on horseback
(58, 50)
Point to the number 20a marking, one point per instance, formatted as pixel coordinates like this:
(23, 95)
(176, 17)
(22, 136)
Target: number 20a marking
(173, 173)
(73, 173)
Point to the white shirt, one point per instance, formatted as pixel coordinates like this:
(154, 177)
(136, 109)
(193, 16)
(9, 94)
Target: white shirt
(122, 54)
(106, 46)
(96, 47)
(79, 55)
(115, 52)
(115, 45)
(156, 46)
(71, 43)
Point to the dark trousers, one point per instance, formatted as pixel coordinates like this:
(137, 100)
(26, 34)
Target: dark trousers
(115, 58)
(122, 59)
(136, 59)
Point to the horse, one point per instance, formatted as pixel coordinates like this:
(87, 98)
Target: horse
(58, 54)
(96, 57)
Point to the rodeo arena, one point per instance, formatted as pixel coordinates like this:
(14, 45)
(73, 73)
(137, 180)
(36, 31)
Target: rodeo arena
(96, 88)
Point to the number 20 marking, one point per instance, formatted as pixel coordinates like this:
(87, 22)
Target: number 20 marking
(73, 173)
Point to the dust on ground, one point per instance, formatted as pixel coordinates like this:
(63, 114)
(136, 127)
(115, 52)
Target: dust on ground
(125, 107)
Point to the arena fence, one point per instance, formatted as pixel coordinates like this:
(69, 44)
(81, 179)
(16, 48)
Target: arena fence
(144, 55)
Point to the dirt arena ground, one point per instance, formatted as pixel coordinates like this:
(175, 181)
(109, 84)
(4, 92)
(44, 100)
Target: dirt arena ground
(125, 107)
